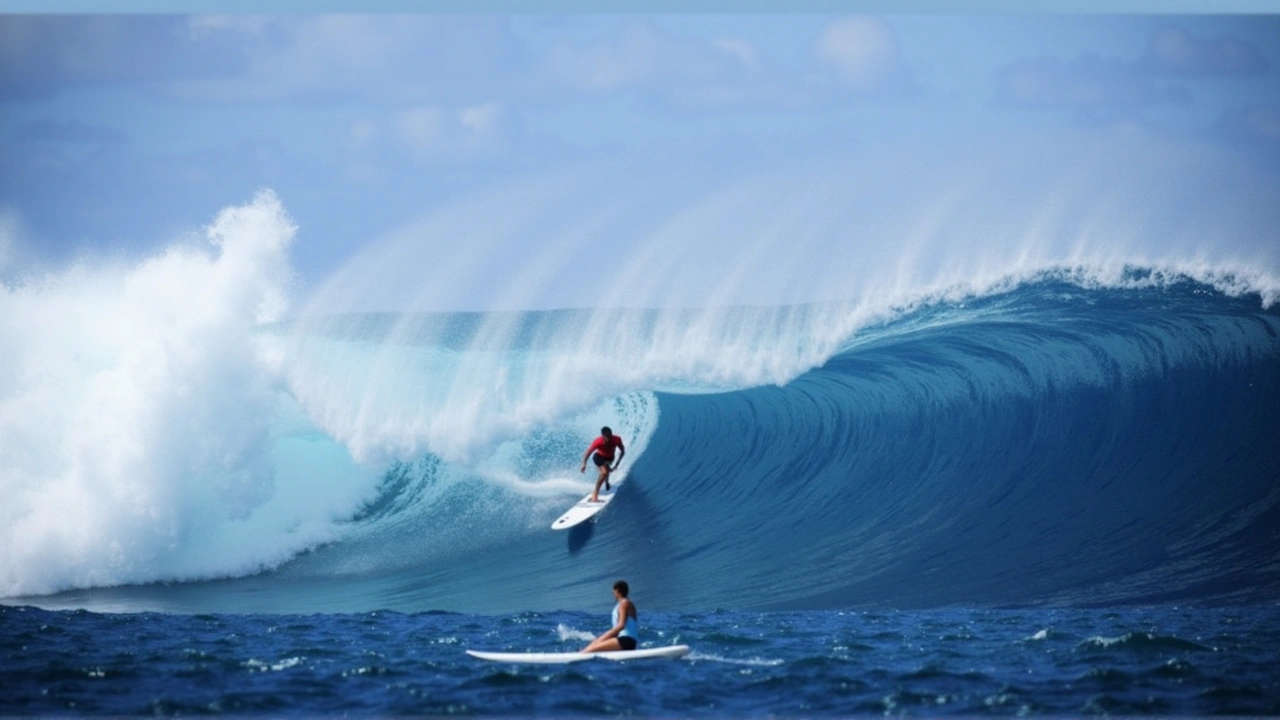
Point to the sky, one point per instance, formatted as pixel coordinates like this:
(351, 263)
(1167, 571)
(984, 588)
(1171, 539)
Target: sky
(532, 149)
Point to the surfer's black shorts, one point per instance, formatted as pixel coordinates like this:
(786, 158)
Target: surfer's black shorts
(601, 460)
(626, 643)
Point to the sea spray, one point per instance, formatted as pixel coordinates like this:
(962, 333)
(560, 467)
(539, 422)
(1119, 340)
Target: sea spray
(136, 413)
(393, 386)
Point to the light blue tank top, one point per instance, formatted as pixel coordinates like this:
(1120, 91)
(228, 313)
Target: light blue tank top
(630, 629)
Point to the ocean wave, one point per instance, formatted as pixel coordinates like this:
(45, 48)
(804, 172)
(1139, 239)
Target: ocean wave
(1066, 434)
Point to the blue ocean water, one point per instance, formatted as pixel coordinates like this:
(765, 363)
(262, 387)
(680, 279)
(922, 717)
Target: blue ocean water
(952, 662)
(1057, 494)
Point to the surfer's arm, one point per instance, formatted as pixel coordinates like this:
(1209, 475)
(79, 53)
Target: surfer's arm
(622, 622)
(622, 452)
(614, 631)
(595, 444)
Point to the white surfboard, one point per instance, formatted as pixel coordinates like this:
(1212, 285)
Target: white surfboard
(584, 509)
(671, 651)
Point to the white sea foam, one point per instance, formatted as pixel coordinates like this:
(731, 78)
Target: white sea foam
(750, 662)
(137, 405)
(566, 633)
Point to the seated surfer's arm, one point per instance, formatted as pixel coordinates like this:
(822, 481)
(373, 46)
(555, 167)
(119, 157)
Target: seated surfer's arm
(607, 634)
(616, 629)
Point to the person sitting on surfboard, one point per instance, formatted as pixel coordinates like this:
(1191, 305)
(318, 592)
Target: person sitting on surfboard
(625, 630)
(603, 447)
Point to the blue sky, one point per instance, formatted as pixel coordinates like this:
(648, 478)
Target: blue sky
(120, 131)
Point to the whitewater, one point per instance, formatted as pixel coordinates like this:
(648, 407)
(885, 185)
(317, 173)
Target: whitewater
(184, 432)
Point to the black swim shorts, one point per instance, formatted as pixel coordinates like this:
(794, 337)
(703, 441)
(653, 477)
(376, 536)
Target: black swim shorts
(627, 643)
(601, 460)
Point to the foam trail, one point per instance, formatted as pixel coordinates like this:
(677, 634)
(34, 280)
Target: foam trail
(550, 487)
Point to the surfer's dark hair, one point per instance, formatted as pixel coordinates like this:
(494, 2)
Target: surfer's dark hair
(605, 431)
(621, 587)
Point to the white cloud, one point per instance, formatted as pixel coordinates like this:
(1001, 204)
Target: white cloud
(635, 57)
(44, 55)
(865, 53)
(436, 133)
(1172, 50)
(1089, 85)
(422, 129)
(202, 25)
(364, 133)
(407, 59)
(644, 57)
(746, 53)
(480, 119)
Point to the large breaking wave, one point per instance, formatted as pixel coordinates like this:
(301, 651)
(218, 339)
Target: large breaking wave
(1065, 434)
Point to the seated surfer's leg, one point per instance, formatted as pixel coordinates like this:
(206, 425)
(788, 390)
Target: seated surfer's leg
(599, 645)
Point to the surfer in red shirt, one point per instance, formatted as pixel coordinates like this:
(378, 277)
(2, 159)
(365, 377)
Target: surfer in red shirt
(603, 448)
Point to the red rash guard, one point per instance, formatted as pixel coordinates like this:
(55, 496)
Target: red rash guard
(605, 447)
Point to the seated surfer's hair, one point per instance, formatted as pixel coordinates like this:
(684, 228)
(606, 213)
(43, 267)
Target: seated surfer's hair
(621, 587)
(605, 431)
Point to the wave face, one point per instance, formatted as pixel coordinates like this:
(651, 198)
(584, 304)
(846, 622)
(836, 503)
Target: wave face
(1051, 444)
